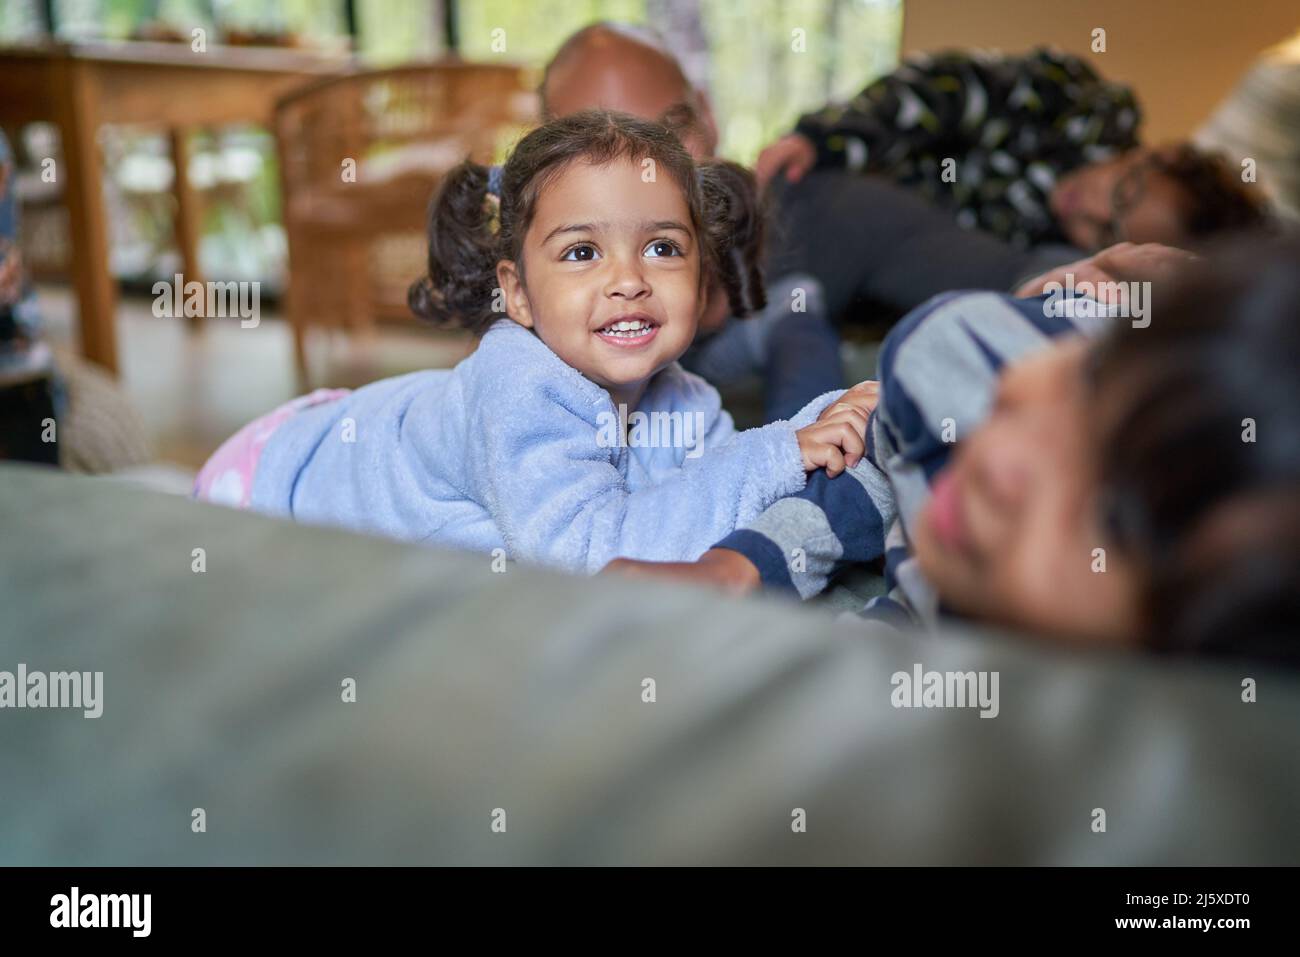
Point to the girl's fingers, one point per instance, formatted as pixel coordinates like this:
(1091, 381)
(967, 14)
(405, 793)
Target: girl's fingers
(844, 412)
(867, 394)
(864, 396)
(851, 442)
(859, 400)
(834, 461)
(832, 451)
(826, 456)
(845, 433)
(840, 407)
(836, 441)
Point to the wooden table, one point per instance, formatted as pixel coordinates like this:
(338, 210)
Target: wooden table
(81, 87)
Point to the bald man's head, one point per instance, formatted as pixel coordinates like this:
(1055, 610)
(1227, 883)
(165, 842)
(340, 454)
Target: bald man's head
(618, 67)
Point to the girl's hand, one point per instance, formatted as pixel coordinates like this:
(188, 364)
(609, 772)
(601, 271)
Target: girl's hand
(862, 397)
(720, 567)
(837, 440)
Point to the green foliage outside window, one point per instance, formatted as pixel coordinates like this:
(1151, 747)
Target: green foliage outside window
(761, 62)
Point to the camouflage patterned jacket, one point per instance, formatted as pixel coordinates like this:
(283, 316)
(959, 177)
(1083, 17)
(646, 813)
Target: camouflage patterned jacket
(1009, 125)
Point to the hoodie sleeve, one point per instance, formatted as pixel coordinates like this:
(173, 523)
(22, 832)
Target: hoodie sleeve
(694, 393)
(557, 492)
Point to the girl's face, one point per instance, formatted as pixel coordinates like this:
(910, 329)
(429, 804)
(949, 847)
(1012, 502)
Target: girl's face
(1010, 530)
(612, 265)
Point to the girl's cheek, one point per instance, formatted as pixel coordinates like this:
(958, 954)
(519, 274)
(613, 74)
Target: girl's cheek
(715, 310)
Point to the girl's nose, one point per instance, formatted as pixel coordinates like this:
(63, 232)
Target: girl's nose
(627, 281)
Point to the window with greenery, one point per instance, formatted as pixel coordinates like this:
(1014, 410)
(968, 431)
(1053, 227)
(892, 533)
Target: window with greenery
(761, 62)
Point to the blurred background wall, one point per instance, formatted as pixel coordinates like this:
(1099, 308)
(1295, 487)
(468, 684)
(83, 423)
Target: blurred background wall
(1182, 56)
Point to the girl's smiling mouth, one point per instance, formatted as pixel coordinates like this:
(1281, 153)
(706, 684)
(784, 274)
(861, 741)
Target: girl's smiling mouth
(629, 331)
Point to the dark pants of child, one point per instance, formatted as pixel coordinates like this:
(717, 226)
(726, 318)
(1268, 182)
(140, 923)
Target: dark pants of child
(790, 345)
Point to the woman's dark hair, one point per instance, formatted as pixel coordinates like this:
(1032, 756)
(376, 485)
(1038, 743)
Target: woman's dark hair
(1218, 201)
(1200, 454)
(469, 232)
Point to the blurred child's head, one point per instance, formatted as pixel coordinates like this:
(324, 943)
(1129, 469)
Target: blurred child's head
(1173, 449)
(604, 241)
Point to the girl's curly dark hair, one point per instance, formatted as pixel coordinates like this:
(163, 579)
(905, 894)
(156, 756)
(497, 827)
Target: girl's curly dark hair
(470, 231)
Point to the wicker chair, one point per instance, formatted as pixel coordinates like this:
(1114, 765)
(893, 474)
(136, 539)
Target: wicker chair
(360, 157)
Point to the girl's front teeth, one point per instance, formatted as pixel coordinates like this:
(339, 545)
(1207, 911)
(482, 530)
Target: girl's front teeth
(627, 330)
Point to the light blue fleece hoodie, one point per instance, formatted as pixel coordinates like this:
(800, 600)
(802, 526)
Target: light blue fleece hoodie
(515, 449)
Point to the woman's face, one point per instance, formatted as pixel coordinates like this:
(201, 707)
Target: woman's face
(611, 277)
(1124, 199)
(1010, 531)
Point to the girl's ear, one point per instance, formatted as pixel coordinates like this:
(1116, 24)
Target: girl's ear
(510, 286)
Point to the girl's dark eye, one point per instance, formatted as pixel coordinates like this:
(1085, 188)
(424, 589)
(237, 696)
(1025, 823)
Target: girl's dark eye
(580, 254)
(663, 247)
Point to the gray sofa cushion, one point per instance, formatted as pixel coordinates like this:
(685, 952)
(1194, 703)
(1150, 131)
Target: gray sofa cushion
(522, 690)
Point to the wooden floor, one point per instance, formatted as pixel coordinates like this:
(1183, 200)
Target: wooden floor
(196, 389)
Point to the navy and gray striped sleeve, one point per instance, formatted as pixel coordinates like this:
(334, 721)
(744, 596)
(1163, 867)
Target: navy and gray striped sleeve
(800, 542)
(938, 372)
